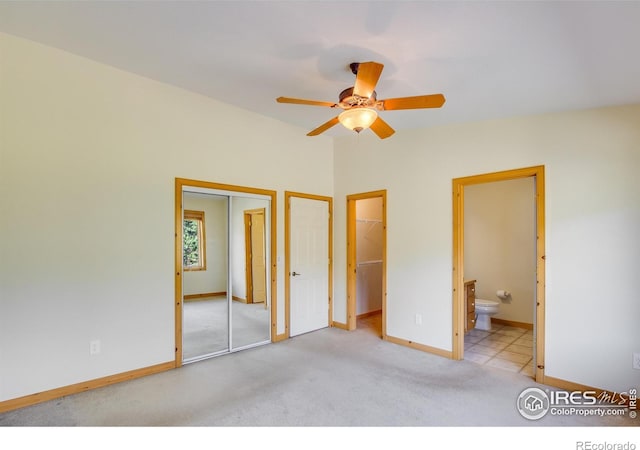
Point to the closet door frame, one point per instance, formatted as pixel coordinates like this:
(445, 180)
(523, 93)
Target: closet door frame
(180, 185)
(352, 262)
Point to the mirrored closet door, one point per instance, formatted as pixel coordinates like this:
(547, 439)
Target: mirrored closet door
(225, 266)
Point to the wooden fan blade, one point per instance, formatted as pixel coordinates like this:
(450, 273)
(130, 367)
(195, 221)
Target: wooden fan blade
(324, 127)
(299, 101)
(382, 128)
(367, 78)
(417, 102)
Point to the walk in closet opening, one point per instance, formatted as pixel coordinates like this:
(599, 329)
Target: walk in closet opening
(366, 262)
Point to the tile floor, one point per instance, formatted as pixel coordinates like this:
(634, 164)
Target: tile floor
(505, 347)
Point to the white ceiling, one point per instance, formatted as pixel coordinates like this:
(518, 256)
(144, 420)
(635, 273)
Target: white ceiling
(491, 59)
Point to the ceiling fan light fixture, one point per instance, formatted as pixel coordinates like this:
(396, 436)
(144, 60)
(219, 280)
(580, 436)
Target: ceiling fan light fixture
(360, 103)
(358, 119)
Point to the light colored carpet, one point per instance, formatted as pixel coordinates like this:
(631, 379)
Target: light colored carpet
(330, 377)
(205, 326)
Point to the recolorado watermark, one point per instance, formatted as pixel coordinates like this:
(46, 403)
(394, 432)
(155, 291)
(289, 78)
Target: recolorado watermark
(589, 445)
(535, 403)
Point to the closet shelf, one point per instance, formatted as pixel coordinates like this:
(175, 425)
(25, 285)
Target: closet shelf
(369, 220)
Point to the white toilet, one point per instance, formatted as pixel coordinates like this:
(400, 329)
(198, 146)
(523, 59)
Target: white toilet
(485, 309)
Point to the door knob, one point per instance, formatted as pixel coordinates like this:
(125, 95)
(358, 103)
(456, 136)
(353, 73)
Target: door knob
(295, 274)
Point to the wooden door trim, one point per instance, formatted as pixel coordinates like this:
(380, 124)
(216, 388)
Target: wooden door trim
(351, 257)
(248, 247)
(458, 257)
(180, 184)
(247, 258)
(287, 252)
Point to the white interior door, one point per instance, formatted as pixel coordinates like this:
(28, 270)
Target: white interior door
(309, 265)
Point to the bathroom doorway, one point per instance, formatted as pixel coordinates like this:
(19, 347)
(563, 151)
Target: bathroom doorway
(522, 308)
(366, 262)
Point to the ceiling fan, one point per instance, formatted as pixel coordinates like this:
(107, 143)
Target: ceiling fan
(361, 105)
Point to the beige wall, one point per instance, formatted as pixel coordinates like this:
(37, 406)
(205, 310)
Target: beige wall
(591, 161)
(499, 244)
(89, 157)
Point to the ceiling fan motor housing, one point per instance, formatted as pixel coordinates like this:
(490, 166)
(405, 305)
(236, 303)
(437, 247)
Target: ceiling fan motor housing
(349, 100)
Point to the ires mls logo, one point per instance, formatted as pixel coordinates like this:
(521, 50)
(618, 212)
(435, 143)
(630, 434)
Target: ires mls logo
(534, 403)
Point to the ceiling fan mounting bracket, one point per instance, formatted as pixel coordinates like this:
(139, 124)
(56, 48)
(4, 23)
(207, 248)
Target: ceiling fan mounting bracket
(354, 67)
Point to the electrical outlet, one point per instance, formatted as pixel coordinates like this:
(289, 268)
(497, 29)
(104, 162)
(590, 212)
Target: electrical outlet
(94, 347)
(636, 360)
(418, 319)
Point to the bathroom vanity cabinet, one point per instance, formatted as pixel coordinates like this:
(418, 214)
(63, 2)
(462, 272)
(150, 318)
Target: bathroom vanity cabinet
(470, 304)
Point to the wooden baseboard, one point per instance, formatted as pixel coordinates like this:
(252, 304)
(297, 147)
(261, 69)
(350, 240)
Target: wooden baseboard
(342, 326)
(421, 347)
(280, 337)
(618, 398)
(192, 297)
(369, 314)
(207, 295)
(52, 394)
(511, 323)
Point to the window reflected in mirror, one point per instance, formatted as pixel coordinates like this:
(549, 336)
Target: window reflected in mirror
(193, 238)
